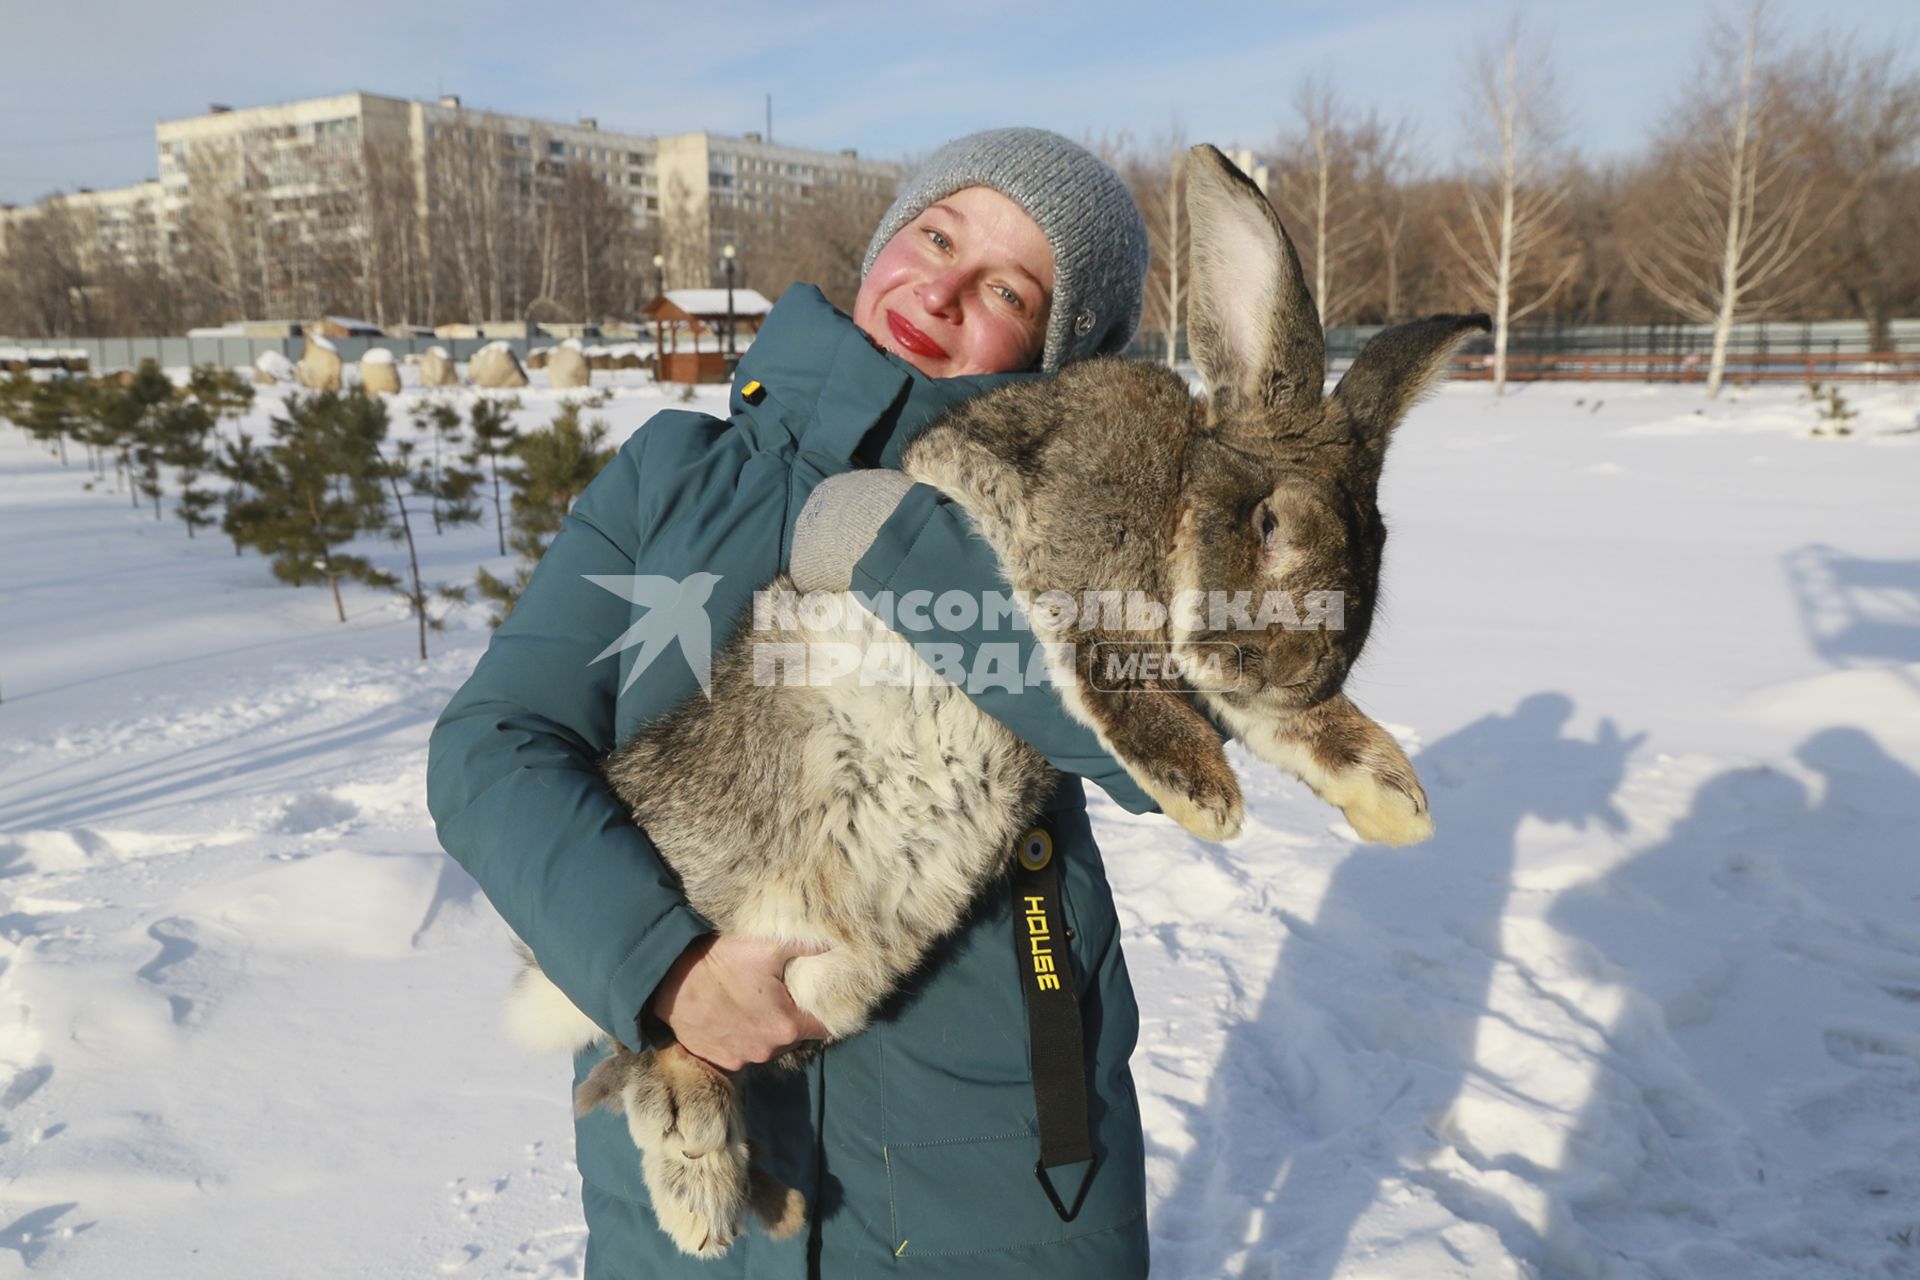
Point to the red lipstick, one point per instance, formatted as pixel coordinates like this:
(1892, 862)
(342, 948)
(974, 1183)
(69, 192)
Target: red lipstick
(912, 339)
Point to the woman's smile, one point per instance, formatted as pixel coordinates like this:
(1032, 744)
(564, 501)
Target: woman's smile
(909, 336)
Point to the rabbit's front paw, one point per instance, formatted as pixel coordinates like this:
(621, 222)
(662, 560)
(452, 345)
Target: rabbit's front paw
(1206, 802)
(1380, 811)
(839, 986)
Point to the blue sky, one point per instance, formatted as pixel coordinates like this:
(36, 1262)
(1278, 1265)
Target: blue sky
(81, 83)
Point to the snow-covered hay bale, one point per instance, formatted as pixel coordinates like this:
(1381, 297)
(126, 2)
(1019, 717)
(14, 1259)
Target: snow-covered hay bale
(567, 366)
(537, 358)
(626, 355)
(379, 375)
(436, 369)
(319, 367)
(495, 365)
(598, 358)
(271, 368)
(75, 360)
(13, 360)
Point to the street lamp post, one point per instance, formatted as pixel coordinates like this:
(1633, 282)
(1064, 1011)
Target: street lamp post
(659, 274)
(726, 260)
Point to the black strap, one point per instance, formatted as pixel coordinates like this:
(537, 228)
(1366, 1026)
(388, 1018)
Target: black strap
(1057, 1048)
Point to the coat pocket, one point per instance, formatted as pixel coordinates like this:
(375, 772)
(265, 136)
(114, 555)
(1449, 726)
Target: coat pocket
(981, 1196)
(960, 1138)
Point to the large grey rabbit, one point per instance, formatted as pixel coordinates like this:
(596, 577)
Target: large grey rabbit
(1110, 477)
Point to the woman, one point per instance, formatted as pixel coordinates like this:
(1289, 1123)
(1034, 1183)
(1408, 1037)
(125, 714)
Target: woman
(1012, 253)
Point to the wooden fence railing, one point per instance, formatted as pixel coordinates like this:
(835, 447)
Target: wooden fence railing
(1881, 367)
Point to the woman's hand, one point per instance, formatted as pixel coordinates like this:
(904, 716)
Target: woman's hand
(726, 999)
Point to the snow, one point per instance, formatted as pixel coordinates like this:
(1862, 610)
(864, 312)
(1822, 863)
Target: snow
(572, 344)
(274, 364)
(713, 302)
(440, 352)
(1647, 1006)
(321, 342)
(377, 355)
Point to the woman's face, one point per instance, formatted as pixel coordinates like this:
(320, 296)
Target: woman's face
(963, 288)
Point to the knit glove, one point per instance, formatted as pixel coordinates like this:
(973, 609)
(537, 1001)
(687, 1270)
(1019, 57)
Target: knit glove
(839, 522)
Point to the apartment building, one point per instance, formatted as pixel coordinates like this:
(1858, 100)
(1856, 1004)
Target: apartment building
(306, 169)
(709, 180)
(124, 222)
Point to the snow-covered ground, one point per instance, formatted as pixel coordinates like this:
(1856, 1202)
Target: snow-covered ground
(1648, 1005)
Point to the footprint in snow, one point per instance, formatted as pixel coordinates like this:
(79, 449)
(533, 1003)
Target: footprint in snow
(1868, 1049)
(195, 966)
(315, 811)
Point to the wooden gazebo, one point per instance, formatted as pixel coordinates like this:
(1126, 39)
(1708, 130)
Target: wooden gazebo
(696, 319)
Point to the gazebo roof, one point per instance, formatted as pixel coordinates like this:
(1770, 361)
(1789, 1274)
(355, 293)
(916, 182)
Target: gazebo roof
(705, 305)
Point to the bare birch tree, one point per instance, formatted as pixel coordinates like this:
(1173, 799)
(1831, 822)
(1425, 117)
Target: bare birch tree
(819, 239)
(1511, 204)
(1732, 203)
(1864, 127)
(47, 270)
(380, 232)
(223, 232)
(1390, 208)
(1322, 196)
(1157, 176)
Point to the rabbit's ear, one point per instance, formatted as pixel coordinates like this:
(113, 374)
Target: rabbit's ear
(1396, 367)
(1256, 335)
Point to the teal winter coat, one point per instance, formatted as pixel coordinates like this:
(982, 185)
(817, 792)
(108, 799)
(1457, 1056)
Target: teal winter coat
(915, 1141)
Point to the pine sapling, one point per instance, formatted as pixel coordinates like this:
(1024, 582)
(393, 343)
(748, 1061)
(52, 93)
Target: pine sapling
(238, 462)
(316, 488)
(449, 487)
(53, 410)
(1832, 410)
(557, 463)
(224, 392)
(184, 429)
(122, 417)
(493, 438)
(403, 480)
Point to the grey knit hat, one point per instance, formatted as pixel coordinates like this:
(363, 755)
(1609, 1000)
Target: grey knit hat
(1098, 238)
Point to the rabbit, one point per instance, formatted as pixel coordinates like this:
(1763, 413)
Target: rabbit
(1110, 477)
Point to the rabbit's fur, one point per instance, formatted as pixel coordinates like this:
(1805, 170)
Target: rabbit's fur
(866, 817)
